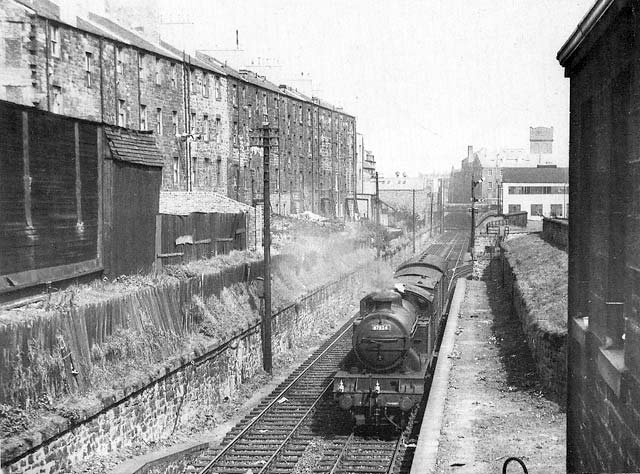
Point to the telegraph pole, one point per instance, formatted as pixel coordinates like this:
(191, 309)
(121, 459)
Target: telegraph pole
(431, 215)
(472, 239)
(264, 141)
(414, 220)
(377, 216)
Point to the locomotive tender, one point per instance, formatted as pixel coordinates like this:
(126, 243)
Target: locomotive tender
(394, 341)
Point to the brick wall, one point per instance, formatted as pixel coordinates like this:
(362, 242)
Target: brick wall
(604, 256)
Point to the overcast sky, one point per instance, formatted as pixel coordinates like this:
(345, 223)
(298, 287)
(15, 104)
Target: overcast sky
(424, 78)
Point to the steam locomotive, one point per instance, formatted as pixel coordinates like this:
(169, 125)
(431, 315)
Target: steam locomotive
(382, 379)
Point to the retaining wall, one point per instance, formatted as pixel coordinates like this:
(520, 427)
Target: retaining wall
(548, 347)
(556, 232)
(176, 393)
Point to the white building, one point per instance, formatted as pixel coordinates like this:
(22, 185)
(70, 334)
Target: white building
(541, 191)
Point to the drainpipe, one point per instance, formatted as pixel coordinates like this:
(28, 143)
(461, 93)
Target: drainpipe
(47, 37)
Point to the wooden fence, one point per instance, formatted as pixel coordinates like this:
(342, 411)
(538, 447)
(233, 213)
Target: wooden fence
(183, 238)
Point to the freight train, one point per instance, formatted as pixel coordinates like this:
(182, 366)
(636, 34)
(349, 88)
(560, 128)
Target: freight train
(382, 379)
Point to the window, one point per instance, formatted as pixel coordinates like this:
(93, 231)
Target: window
(309, 117)
(536, 209)
(514, 208)
(158, 77)
(218, 129)
(205, 85)
(244, 94)
(556, 210)
(143, 117)
(207, 173)
(193, 123)
(234, 99)
(200, 79)
(159, 121)
(54, 40)
(300, 114)
(57, 100)
(119, 60)
(218, 89)
(141, 65)
(205, 120)
(235, 133)
(176, 170)
(249, 112)
(192, 81)
(194, 172)
(264, 103)
(218, 166)
(174, 76)
(537, 189)
(122, 114)
(88, 59)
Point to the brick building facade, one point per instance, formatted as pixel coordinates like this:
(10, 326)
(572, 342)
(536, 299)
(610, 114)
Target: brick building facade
(204, 113)
(603, 409)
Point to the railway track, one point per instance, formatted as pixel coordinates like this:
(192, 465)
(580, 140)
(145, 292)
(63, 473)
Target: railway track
(265, 437)
(298, 428)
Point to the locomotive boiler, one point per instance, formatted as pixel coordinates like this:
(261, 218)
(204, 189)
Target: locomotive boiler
(394, 339)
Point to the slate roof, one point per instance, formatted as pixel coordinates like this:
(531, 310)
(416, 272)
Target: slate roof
(535, 175)
(133, 146)
(196, 60)
(130, 37)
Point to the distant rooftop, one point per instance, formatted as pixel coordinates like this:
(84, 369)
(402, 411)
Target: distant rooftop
(544, 174)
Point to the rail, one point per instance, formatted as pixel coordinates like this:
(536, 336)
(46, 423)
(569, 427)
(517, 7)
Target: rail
(309, 365)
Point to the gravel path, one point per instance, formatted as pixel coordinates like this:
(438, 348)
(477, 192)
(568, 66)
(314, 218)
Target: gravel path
(495, 407)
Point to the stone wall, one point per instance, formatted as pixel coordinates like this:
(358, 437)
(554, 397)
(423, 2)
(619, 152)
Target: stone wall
(176, 393)
(548, 347)
(556, 232)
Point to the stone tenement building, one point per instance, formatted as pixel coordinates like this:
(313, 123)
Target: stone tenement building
(204, 113)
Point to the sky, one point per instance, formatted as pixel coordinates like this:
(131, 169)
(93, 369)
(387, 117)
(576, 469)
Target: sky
(424, 79)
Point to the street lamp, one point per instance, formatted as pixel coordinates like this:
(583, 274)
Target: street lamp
(472, 240)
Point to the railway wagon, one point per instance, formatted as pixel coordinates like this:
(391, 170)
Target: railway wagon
(382, 380)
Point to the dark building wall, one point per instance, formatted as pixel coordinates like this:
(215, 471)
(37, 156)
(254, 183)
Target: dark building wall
(603, 417)
(49, 208)
(132, 243)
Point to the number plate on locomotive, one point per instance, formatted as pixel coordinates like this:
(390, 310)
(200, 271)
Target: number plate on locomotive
(380, 327)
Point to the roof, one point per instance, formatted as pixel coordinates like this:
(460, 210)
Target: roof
(183, 203)
(51, 11)
(583, 29)
(196, 60)
(535, 175)
(133, 146)
(129, 37)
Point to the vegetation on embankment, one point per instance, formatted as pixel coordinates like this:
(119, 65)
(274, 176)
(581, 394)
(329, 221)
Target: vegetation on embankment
(69, 362)
(542, 274)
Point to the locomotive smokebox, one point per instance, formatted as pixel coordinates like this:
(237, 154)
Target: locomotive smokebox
(382, 337)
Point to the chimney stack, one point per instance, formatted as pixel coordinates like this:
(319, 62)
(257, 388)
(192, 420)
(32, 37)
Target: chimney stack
(470, 152)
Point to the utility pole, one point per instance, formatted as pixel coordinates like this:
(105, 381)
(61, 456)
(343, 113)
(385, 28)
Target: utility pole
(377, 216)
(264, 141)
(414, 220)
(431, 215)
(472, 239)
